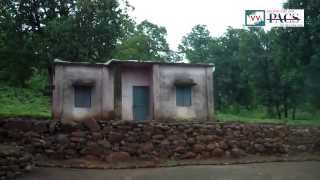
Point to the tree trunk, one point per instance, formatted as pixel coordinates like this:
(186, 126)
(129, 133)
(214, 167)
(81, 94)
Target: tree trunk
(285, 110)
(285, 105)
(278, 111)
(293, 113)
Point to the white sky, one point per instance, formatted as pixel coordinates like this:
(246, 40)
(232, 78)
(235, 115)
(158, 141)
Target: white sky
(179, 16)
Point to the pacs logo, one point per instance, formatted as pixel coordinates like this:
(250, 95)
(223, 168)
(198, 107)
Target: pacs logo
(275, 18)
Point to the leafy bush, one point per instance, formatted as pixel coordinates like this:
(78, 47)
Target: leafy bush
(23, 102)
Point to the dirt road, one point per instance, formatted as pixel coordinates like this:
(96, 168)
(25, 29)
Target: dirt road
(267, 171)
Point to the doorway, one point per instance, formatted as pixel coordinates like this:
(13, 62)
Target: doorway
(141, 101)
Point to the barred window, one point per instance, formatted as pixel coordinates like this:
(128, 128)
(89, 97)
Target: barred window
(82, 96)
(183, 95)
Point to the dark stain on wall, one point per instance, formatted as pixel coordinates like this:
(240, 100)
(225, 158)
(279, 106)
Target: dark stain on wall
(117, 91)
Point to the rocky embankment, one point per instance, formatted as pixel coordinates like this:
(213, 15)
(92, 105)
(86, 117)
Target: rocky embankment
(14, 161)
(114, 141)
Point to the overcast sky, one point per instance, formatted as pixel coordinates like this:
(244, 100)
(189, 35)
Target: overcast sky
(179, 16)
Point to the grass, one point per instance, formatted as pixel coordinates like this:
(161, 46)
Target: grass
(23, 102)
(223, 117)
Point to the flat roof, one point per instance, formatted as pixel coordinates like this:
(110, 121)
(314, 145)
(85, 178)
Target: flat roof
(130, 62)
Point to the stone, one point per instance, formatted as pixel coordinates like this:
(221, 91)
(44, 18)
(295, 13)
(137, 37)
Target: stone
(302, 148)
(69, 127)
(223, 145)
(201, 139)
(158, 137)
(115, 137)
(52, 127)
(62, 139)
(217, 152)
(227, 154)
(91, 158)
(233, 143)
(180, 149)
(131, 148)
(147, 147)
(28, 168)
(78, 134)
(205, 154)
(236, 152)
(173, 137)
(178, 142)
(198, 148)
(119, 157)
(40, 126)
(94, 149)
(165, 143)
(49, 151)
(188, 155)
(191, 140)
(10, 174)
(260, 148)
(77, 139)
(39, 142)
(32, 134)
(105, 144)
(96, 135)
(145, 157)
(91, 124)
(211, 146)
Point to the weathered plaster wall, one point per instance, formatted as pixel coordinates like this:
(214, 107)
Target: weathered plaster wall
(57, 94)
(167, 108)
(107, 93)
(134, 76)
(210, 92)
(63, 95)
(109, 101)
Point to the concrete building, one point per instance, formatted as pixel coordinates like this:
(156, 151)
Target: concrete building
(132, 90)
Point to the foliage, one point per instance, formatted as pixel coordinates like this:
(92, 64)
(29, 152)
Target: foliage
(147, 42)
(306, 43)
(33, 33)
(196, 45)
(254, 67)
(89, 35)
(251, 118)
(23, 102)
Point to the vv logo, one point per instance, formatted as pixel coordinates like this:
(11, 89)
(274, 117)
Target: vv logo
(255, 18)
(276, 18)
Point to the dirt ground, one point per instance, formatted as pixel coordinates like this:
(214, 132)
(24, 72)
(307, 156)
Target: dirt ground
(309, 170)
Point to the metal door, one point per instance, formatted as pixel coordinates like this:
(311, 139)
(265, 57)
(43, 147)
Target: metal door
(140, 102)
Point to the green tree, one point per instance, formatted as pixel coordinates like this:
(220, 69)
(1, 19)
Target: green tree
(293, 65)
(304, 46)
(232, 86)
(90, 35)
(33, 33)
(147, 42)
(196, 45)
(231, 70)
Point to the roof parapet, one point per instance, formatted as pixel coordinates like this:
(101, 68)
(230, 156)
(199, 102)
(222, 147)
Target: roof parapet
(117, 61)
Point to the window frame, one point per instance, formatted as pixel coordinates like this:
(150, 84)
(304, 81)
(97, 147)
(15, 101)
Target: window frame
(183, 96)
(85, 91)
